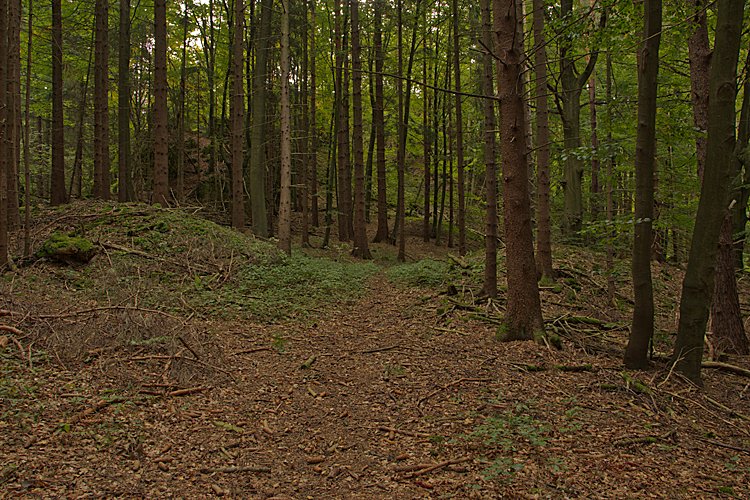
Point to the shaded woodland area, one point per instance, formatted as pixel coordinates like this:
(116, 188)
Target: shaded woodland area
(374, 249)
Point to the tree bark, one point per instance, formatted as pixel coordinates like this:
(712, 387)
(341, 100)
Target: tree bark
(180, 188)
(544, 233)
(58, 194)
(238, 116)
(360, 249)
(27, 134)
(490, 158)
(379, 124)
(124, 182)
(161, 134)
(523, 319)
(101, 100)
(459, 134)
(4, 149)
(315, 219)
(285, 202)
(697, 288)
(642, 329)
(14, 110)
(257, 171)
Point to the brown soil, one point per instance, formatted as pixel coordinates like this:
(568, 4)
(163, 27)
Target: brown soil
(401, 394)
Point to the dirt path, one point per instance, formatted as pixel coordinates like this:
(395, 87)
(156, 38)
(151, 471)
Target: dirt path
(395, 403)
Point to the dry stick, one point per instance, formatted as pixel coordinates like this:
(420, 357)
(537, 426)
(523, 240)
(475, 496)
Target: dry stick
(381, 349)
(726, 367)
(728, 409)
(228, 470)
(405, 433)
(182, 341)
(81, 312)
(250, 351)
(455, 382)
(11, 329)
(153, 257)
(185, 392)
(94, 409)
(725, 445)
(163, 356)
(438, 466)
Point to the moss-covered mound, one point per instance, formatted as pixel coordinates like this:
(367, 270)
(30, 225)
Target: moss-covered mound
(175, 260)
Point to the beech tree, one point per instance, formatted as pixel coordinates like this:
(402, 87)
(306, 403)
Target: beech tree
(101, 100)
(285, 203)
(642, 329)
(3, 139)
(57, 188)
(697, 287)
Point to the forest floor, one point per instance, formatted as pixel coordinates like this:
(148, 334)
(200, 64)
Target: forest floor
(114, 386)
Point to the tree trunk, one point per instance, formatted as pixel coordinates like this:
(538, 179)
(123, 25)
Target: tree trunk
(14, 110)
(360, 249)
(4, 150)
(76, 176)
(610, 260)
(490, 158)
(238, 116)
(27, 134)
(161, 134)
(257, 171)
(698, 285)
(400, 161)
(124, 183)
(180, 188)
(743, 154)
(572, 84)
(285, 203)
(379, 124)
(699, 55)
(101, 100)
(543, 234)
(523, 318)
(426, 134)
(642, 329)
(306, 163)
(459, 134)
(315, 220)
(57, 185)
(594, 200)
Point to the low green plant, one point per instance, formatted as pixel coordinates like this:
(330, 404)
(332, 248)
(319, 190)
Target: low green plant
(425, 273)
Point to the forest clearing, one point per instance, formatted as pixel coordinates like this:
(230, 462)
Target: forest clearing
(167, 367)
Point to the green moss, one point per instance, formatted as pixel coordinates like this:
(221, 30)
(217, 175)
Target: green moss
(66, 248)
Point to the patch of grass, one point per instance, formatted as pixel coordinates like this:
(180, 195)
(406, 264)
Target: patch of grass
(425, 273)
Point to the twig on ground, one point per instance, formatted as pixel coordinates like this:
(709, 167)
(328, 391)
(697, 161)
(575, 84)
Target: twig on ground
(91, 310)
(92, 410)
(644, 439)
(438, 466)
(11, 329)
(250, 351)
(455, 382)
(186, 392)
(381, 349)
(229, 470)
(725, 445)
(726, 367)
(401, 431)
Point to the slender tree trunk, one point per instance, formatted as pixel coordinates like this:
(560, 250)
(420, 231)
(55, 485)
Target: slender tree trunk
(330, 177)
(14, 110)
(314, 196)
(379, 124)
(572, 84)
(4, 150)
(595, 164)
(57, 188)
(101, 100)
(642, 329)
(238, 116)
(459, 134)
(699, 52)
(610, 261)
(285, 203)
(426, 133)
(27, 134)
(490, 158)
(161, 134)
(360, 249)
(257, 170)
(697, 288)
(400, 209)
(743, 154)
(543, 235)
(371, 139)
(76, 176)
(523, 319)
(180, 188)
(306, 163)
(124, 183)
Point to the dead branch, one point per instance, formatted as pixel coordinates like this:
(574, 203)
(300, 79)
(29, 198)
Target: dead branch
(439, 466)
(11, 329)
(725, 445)
(644, 439)
(250, 351)
(93, 409)
(230, 470)
(186, 392)
(455, 382)
(401, 431)
(91, 310)
(381, 349)
(726, 367)
(133, 251)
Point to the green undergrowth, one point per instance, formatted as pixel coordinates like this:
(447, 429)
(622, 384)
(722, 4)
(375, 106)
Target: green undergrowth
(177, 261)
